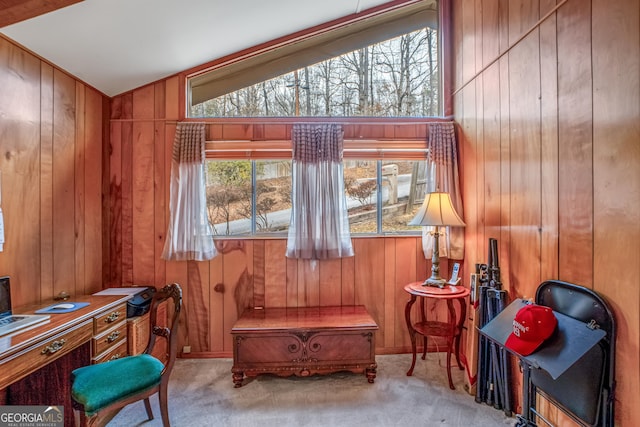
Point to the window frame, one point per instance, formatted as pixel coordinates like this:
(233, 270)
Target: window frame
(281, 146)
(241, 60)
(227, 145)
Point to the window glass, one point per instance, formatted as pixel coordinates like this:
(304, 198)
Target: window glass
(401, 194)
(246, 197)
(229, 196)
(361, 190)
(253, 197)
(273, 195)
(398, 77)
(403, 184)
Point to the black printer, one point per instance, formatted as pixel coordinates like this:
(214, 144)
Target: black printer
(140, 302)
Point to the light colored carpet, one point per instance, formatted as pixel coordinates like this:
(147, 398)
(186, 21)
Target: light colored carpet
(201, 393)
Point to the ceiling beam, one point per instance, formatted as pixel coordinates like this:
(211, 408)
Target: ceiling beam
(12, 11)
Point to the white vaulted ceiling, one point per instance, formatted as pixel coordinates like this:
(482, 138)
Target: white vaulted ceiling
(119, 45)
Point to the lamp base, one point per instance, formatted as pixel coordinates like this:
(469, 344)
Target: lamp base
(435, 282)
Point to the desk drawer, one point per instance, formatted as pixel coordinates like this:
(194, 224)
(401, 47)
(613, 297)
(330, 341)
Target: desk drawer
(43, 353)
(107, 319)
(109, 338)
(118, 351)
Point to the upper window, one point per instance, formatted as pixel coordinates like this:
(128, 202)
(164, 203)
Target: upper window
(383, 65)
(394, 78)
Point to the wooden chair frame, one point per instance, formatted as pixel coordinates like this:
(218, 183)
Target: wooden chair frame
(100, 418)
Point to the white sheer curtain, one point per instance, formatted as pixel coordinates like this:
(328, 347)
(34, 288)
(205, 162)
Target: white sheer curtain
(190, 236)
(443, 175)
(319, 227)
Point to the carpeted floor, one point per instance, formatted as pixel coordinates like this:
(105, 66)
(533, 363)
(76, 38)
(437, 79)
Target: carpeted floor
(201, 393)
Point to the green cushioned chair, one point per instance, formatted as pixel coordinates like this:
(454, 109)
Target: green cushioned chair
(99, 391)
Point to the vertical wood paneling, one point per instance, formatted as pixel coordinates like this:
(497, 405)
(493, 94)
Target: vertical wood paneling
(93, 219)
(330, 283)
(575, 129)
(142, 185)
(549, 141)
(142, 203)
(160, 182)
(172, 93)
(160, 205)
(491, 125)
(468, 22)
(46, 181)
(390, 290)
(406, 253)
(114, 276)
(127, 199)
(64, 98)
(275, 281)
(466, 102)
(568, 179)
(197, 306)
(80, 191)
(525, 194)
(258, 273)
(292, 282)
(348, 281)
(504, 243)
(567, 129)
(51, 165)
(217, 295)
(369, 285)
(19, 165)
(616, 179)
(238, 279)
(177, 272)
(308, 283)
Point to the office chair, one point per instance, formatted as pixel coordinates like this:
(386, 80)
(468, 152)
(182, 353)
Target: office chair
(99, 391)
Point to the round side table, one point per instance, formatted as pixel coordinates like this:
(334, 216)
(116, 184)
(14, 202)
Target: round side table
(451, 330)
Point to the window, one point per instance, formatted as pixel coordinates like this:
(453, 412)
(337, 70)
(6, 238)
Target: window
(383, 62)
(383, 195)
(393, 78)
(248, 197)
(253, 197)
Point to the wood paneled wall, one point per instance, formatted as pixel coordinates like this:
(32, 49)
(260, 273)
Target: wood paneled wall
(249, 272)
(51, 141)
(547, 104)
(547, 100)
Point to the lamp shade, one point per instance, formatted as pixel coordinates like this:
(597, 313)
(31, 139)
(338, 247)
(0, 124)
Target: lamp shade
(437, 210)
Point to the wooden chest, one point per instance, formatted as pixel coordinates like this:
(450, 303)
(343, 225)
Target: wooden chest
(304, 341)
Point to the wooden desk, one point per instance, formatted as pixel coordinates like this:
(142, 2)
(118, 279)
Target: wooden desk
(303, 342)
(451, 330)
(36, 365)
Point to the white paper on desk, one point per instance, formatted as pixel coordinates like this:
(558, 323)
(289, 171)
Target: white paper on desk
(121, 291)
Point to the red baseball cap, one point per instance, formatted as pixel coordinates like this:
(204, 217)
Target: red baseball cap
(532, 325)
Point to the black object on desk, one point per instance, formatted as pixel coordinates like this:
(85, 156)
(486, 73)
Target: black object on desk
(140, 302)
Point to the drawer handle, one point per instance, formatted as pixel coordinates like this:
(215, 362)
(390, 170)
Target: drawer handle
(112, 317)
(114, 357)
(53, 347)
(112, 337)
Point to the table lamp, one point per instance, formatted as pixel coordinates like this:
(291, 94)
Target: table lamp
(437, 211)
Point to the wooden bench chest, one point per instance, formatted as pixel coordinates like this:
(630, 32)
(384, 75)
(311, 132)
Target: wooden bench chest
(304, 341)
